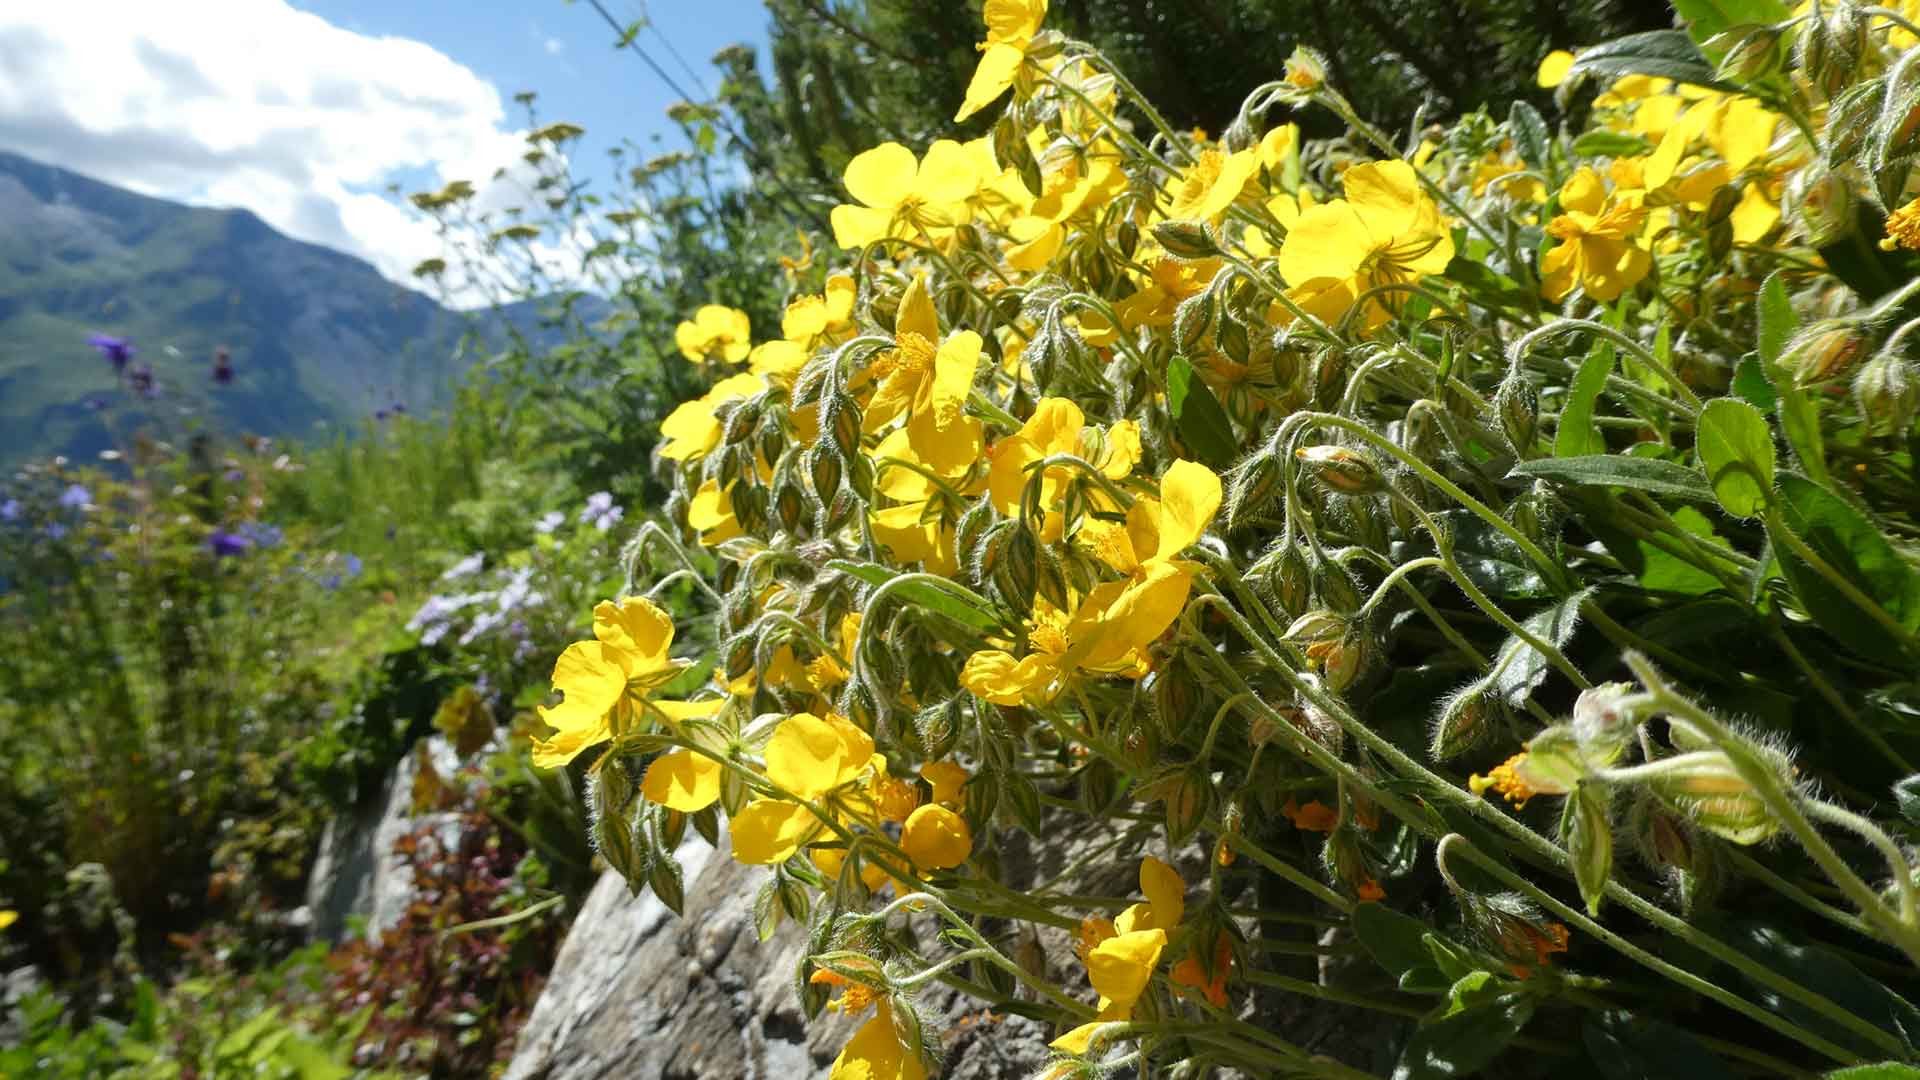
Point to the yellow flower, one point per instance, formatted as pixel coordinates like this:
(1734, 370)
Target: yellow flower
(1903, 228)
(8, 917)
(1286, 209)
(1057, 426)
(690, 431)
(813, 316)
(715, 329)
(1279, 147)
(947, 779)
(919, 526)
(1553, 68)
(1596, 234)
(1011, 25)
(627, 658)
(927, 380)
(896, 195)
(710, 513)
(1166, 902)
(1387, 230)
(1211, 184)
(1039, 233)
(1121, 967)
(936, 838)
(683, 781)
(875, 1053)
(809, 757)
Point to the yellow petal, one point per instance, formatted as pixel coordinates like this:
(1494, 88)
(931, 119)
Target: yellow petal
(936, 838)
(858, 226)
(1386, 195)
(575, 729)
(1165, 891)
(689, 431)
(947, 779)
(1080, 1040)
(1329, 241)
(998, 66)
(639, 629)
(947, 174)
(780, 360)
(882, 177)
(916, 314)
(1279, 146)
(592, 677)
(1189, 498)
(1121, 967)
(683, 781)
(953, 370)
(1553, 68)
(875, 1053)
(768, 831)
(1585, 193)
(810, 756)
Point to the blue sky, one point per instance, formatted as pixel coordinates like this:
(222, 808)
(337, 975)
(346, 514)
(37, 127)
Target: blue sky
(563, 50)
(307, 111)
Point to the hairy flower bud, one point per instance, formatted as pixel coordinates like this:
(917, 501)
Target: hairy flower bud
(1306, 70)
(1821, 201)
(1826, 350)
(1251, 487)
(1466, 718)
(1747, 52)
(1887, 394)
(1340, 469)
(1186, 239)
(1604, 721)
(1707, 788)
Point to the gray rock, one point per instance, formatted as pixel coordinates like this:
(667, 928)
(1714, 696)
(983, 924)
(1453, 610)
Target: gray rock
(356, 873)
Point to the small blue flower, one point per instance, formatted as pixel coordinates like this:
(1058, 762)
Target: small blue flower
(549, 522)
(75, 497)
(116, 351)
(10, 510)
(226, 544)
(260, 534)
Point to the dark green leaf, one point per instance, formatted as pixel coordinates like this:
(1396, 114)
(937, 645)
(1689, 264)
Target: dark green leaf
(1664, 572)
(1466, 1041)
(1906, 795)
(1848, 542)
(1618, 470)
(1490, 558)
(1521, 666)
(1736, 448)
(1628, 1046)
(1663, 54)
(1203, 425)
(1706, 18)
(1885, 1070)
(1799, 414)
(1392, 939)
(1530, 135)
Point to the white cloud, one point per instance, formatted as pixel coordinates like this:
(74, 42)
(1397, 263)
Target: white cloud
(555, 46)
(252, 103)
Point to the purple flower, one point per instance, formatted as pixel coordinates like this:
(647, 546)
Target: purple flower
(549, 522)
(224, 544)
(75, 497)
(469, 565)
(10, 510)
(117, 351)
(222, 366)
(141, 381)
(380, 414)
(601, 511)
(56, 530)
(260, 534)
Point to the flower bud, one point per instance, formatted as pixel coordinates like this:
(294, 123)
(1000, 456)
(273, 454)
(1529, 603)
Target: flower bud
(1306, 70)
(1885, 390)
(1747, 52)
(1604, 722)
(790, 506)
(1290, 579)
(1191, 320)
(1340, 469)
(825, 469)
(1823, 351)
(1833, 47)
(1821, 201)
(1251, 488)
(1186, 239)
(1466, 718)
(1711, 792)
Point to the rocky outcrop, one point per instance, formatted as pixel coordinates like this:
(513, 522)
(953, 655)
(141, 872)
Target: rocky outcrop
(355, 873)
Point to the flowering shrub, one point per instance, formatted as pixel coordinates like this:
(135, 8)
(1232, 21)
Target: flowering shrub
(1495, 547)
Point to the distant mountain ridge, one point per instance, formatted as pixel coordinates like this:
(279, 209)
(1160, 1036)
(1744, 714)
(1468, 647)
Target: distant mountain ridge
(317, 337)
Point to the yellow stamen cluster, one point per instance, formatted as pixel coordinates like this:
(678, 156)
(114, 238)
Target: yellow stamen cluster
(1903, 228)
(1505, 779)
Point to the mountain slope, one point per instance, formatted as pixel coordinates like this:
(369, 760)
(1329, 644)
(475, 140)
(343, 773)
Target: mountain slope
(317, 337)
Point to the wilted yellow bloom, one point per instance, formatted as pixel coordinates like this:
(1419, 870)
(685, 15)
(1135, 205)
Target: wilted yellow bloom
(1596, 234)
(715, 332)
(1011, 25)
(628, 656)
(898, 195)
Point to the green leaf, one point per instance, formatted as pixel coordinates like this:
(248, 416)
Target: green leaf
(1799, 414)
(1664, 572)
(1577, 436)
(1848, 542)
(1520, 666)
(1736, 447)
(1490, 558)
(1663, 54)
(1464, 1042)
(1751, 383)
(1392, 939)
(1629, 1046)
(1202, 424)
(1885, 1070)
(1617, 470)
(1706, 18)
(1611, 144)
(1530, 135)
(969, 610)
(1589, 840)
